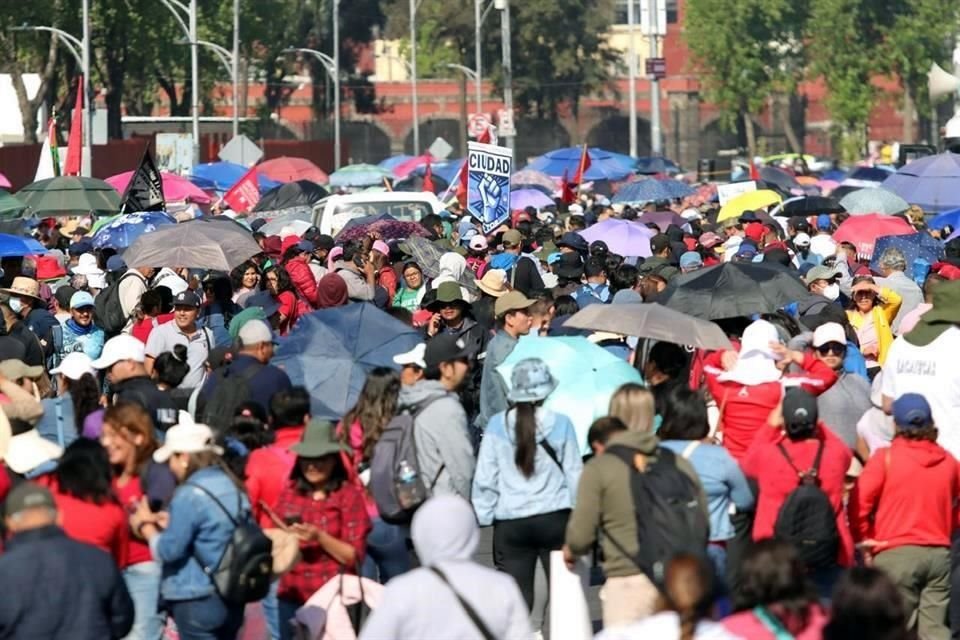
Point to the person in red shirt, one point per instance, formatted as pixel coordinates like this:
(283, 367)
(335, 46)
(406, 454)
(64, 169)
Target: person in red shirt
(151, 305)
(296, 261)
(386, 276)
(327, 513)
(283, 291)
(903, 511)
(777, 458)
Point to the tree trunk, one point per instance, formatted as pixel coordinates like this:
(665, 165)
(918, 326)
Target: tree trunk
(786, 112)
(28, 106)
(751, 132)
(909, 135)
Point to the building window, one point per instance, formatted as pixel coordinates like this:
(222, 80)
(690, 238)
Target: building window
(620, 11)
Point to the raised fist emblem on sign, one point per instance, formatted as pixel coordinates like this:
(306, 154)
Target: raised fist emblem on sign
(490, 197)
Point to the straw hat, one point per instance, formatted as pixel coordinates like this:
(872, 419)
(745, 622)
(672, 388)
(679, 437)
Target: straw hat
(24, 286)
(494, 283)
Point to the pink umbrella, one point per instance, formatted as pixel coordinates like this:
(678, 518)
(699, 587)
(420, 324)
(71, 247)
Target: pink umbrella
(4, 182)
(175, 188)
(287, 169)
(863, 231)
(407, 167)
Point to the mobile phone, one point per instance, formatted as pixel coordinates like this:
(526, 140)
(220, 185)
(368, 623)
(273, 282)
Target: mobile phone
(291, 520)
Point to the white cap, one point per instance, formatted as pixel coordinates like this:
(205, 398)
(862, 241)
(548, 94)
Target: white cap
(575, 210)
(478, 242)
(29, 450)
(186, 436)
(691, 213)
(87, 265)
(286, 232)
(413, 357)
(75, 365)
(122, 347)
(255, 332)
(829, 332)
(801, 240)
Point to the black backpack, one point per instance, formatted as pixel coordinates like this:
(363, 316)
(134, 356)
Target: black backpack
(230, 391)
(243, 573)
(107, 309)
(666, 505)
(807, 519)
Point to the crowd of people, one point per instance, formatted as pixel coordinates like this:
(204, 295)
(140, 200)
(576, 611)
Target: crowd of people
(803, 483)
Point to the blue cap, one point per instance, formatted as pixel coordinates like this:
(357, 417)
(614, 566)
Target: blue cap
(81, 299)
(823, 222)
(912, 411)
(116, 263)
(747, 249)
(691, 260)
(186, 299)
(305, 246)
(80, 248)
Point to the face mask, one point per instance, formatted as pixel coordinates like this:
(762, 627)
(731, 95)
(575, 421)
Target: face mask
(831, 291)
(16, 305)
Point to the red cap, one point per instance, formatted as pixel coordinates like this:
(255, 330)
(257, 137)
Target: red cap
(754, 231)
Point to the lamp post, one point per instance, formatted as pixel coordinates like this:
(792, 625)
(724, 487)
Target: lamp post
(179, 10)
(235, 72)
(80, 52)
(472, 75)
(330, 66)
(413, 76)
(229, 62)
(656, 148)
(632, 66)
(478, 54)
(504, 6)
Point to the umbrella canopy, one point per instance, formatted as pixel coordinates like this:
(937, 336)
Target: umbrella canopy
(523, 198)
(528, 178)
(946, 219)
(70, 195)
(405, 168)
(662, 219)
(778, 177)
(873, 200)
(384, 224)
(175, 188)
(628, 162)
(748, 202)
(223, 175)
(358, 175)
(864, 230)
(621, 236)
(415, 182)
(218, 245)
(427, 254)
(587, 375)
(330, 352)
(732, 290)
(298, 219)
(10, 206)
(4, 182)
(651, 190)
(123, 230)
(392, 161)
(914, 247)
(654, 165)
(446, 170)
(650, 320)
(933, 182)
(300, 193)
(808, 206)
(287, 169)
(17, 246)
(603, 166)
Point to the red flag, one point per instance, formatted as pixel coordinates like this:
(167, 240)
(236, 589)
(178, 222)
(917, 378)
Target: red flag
(75, 141)
(462, 185)
(582, 167)
(754, 174)
(567, 196)
(428, 178)
(485, 136)
(245, 194)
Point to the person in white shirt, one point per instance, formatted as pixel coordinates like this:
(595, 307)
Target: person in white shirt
(823, 244)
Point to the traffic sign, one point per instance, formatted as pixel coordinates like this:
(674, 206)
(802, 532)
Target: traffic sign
(478, 124)
(241, 150)
(657, 67)
(505, 126)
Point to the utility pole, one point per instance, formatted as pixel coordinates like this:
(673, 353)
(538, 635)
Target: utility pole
(86, 162)
(478, 54)
(336, 84)
(194, 82)
(632, 66)
(504, 6)
(236, 67)
(656, 148)
(413, 76)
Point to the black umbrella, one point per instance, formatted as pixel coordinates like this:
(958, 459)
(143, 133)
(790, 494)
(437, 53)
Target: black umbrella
(733, 289)
(810, 206)
(415, 183)
(292, 194)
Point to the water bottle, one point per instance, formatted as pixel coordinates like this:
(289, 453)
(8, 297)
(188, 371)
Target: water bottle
(409, 492)
(921, 267)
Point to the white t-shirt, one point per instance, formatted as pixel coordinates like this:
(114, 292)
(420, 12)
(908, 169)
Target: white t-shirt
(823, 245)
(932, 371)
(665, 626)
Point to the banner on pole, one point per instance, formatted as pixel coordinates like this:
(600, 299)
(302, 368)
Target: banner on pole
(488, 183)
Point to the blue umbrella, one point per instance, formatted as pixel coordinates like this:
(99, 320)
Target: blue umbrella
(946, 219)
(918, 245)
(392, 161)
(120, 232)
(331, 351)
(651, 190)
(627, 162)
(834, 174)
(17, 246)
(603, 166)
(224, 175)
(446, 171)
(932, 183)
(864, 177)
(523, 198)
(656, 164)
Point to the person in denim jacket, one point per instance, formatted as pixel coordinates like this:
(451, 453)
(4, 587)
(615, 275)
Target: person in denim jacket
(194, 532)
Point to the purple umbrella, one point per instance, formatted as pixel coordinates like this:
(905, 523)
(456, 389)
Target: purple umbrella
(622, 237)
(662, 219)
(931, 182)
(523, 198)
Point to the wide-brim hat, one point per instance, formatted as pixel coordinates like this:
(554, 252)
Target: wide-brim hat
(29, 450)
(447, 293)
(24, 286)
(494, 283)
(319, 439)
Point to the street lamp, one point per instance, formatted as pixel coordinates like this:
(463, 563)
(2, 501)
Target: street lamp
(179, 10)
(330, 66)
(229, 62)
(472, 75)
(504, 7)
(414, 4)
(78, 50)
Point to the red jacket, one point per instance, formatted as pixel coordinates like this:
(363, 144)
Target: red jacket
(387, 278)
(303, 281)
(907, 495)
(744, 409)
(268, 470)
(777, 479)
(102, 525)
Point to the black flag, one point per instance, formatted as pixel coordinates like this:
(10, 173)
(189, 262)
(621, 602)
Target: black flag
(145, 189)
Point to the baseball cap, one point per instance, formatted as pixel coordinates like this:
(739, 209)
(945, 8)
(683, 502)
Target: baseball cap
(512, 301)
(512, 237)
(799, 408)
(413, 357)
(75, 365)
(380, 247)
(307, 246)
(749, 216)
(255, 332)
(690, 260)
(820, 273)
(115, 263)
(122, 347)
(912, 411)
(753, 231)
(186, 436)
(709, 240)
(323, 241)
(575, 210)
(16, 369)
(80, 300)
(445, 347)
(28, 495)
(801, 240)
(823, 222)
(573, 240)
(659, 242)
(186, 299)
(829, 332)
(478, 242)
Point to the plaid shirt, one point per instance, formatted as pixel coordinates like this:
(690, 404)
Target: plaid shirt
(342, 515)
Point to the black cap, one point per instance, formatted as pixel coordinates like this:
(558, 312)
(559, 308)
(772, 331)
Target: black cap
(573, 240)
(446, 347)
(799, 409)
(186, 299)
(256, 224)
(599, 247)
(28, 496)
(11, 349)
(659, 242)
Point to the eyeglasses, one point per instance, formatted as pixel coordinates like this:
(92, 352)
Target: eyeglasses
(832, 347)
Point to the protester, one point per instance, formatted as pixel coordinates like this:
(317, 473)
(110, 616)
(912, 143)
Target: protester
(522, 272)
(122, 359)
(132, 285)
(412, 288)
(633, 404)
(155, 311)
(871, 315)
(184, 330)
(910, 319)
(32, 353)
(600, 433)
(866, 604)
(295, 261)
(80, 333)
(218, 309)
(357, 271)
(282, 290)
(386, 276)
(513, 320)
(411, 365)
(245, 281)
(78, 396)
(31, 310)
(892, 264)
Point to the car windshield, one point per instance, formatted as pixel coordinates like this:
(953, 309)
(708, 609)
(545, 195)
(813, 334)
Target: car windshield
(411, 211)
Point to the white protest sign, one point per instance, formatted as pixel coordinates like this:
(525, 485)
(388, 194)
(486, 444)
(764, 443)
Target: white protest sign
(488, 183)
(727, 192)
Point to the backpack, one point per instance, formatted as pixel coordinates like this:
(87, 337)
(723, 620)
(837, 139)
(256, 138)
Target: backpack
(807, 519)
(397, 444)
(244, 571)
(230, 391)
(667, 511)
(107, 310)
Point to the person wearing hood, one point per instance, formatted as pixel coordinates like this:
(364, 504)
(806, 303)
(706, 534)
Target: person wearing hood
(903, 514)
(444, 453)
(332, 291)
(527, 473)
(452, 266)
(358, 272)
(523, 272)
(449, 592)
(604, 499)
(660, 263)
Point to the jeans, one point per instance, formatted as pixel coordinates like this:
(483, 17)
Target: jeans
(286, 610)
(143, 583)
(387, 555)
(270, 614)
(207, 618)
(519, 542)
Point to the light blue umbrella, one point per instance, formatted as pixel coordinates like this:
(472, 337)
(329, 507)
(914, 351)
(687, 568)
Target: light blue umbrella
(603, 166)
(587, 376)
(120, 232)
(358, 175)
(651, 190)
(873, 200)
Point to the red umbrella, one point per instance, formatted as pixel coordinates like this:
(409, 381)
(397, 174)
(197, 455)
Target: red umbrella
(407, 167)
(286, 169)
(863, 231)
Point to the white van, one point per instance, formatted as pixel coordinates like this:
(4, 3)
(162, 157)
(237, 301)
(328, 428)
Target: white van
(333, 212)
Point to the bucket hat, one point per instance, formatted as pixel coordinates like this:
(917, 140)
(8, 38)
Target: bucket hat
(447, 293)
(493, 283)
(319, 439)
(531, 381)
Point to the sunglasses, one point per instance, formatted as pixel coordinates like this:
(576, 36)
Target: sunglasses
(832, 347)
